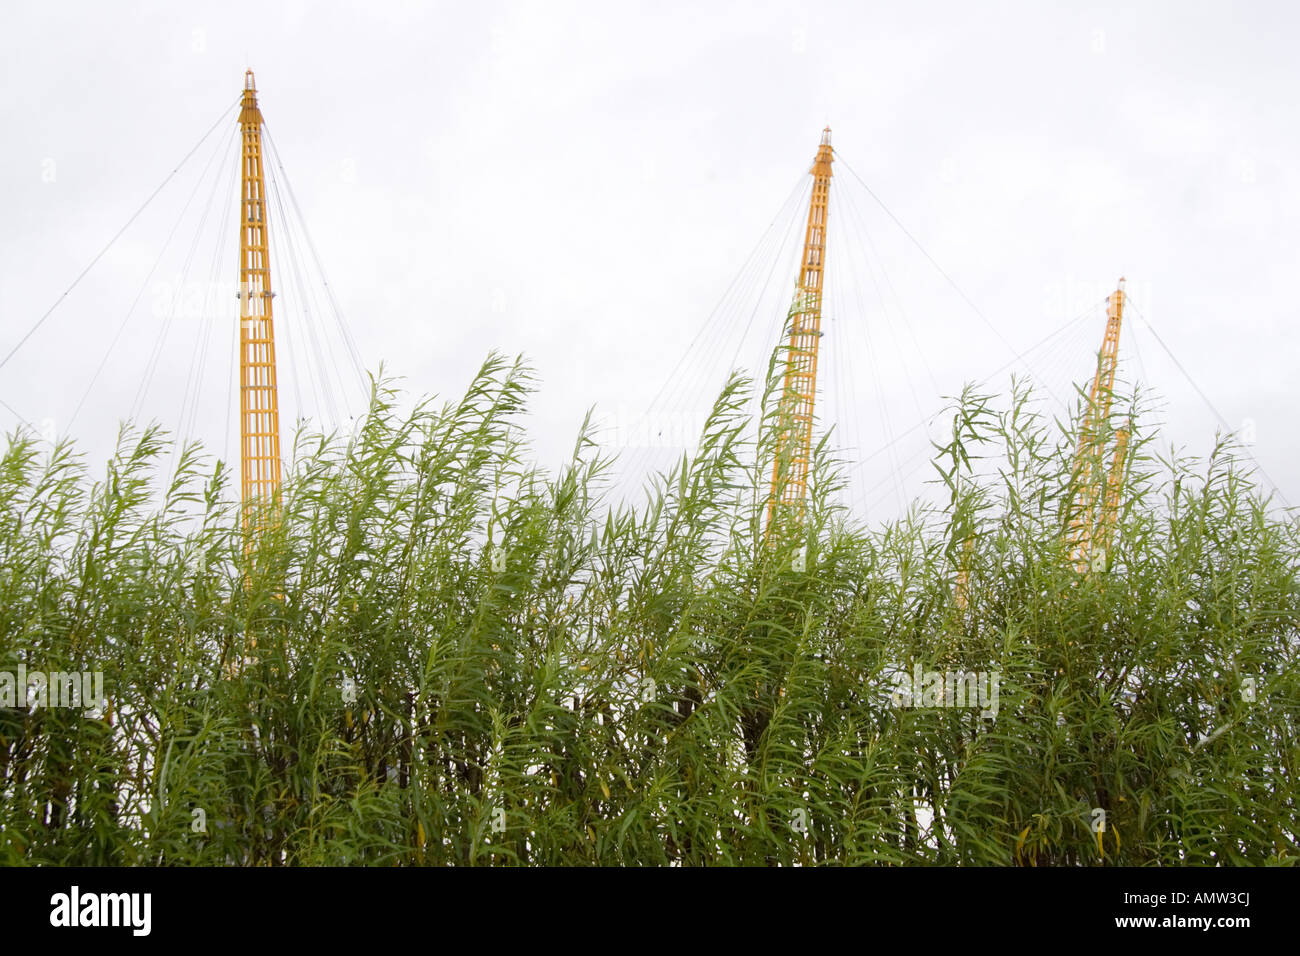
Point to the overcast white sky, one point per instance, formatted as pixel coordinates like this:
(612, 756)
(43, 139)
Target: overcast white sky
(581, 181)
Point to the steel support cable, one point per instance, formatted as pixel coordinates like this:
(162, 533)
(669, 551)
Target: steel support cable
(1137, 350)
(155, 352)
(144, 285)
(289, 267)
(1062, 366)
(773, 340)
(694, 366)
(296, 369)
(316, 339)
(228, 245)
(207, 321)
(1067, 354)
(1067, 375)
(325, 347)
(1204, 397)
(843, 384)
(1057, 358)
(889, 283)
(855, 221)
(698, 365)
(837, 418)
(1154, 410)
(839, 328)
(861, 329)
(738, 295)
(929, 257)
(707, 373)
(708, 355)
(232, 397)
(884, 312)
(340, 319)
(739, 292)
(846, 390)
(117, 235)
(318, 383)
(840, 391)
(318, 336)
(749, 259)
(882, 402)
(211, 309)
(868, 350)
(300, 219)
(1066, 370)
(14, 412)
(787, 260)
(921, 424)
(875, 495)
(944, 274)
(760, 371)
(858, 222)
(1059, 365)
(747, 302)
(883, 488)
(882, 412)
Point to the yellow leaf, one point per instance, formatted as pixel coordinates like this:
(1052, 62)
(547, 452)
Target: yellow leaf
(604, 788)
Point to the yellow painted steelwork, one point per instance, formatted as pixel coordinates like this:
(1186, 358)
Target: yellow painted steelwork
(1114, 482)
(789, 488)
(259, 411)
(1083, 530)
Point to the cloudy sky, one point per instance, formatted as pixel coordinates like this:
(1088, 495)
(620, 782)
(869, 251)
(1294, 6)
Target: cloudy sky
(583, 182)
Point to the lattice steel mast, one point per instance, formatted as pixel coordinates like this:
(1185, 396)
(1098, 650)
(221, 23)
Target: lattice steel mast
(1114, 484)
(1096, 497)
(259, 410)
(789, 488)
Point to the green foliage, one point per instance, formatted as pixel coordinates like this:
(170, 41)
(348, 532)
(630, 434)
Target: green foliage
(445, 656)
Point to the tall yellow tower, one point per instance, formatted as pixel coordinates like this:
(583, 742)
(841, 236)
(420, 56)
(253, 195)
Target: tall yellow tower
(1114, 484)
(1096, 495)
(789, 489)
(259, 411)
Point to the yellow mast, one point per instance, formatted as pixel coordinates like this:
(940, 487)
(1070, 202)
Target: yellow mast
(1114, 482)
(789, 489)
(259, 411)
(1083, 526)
